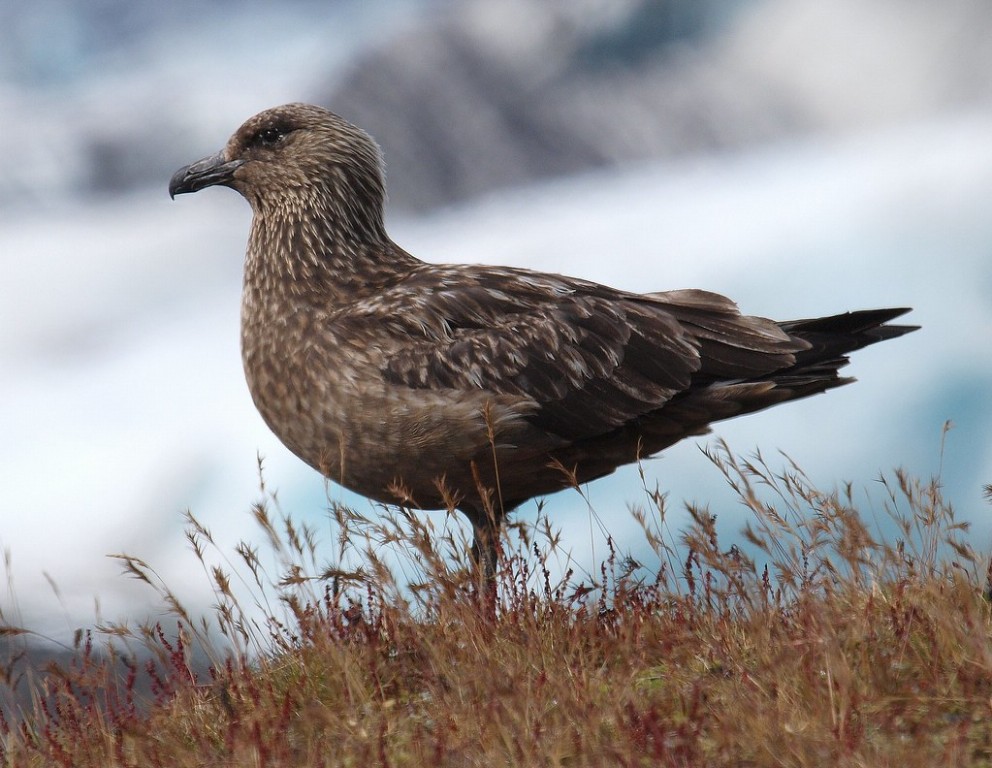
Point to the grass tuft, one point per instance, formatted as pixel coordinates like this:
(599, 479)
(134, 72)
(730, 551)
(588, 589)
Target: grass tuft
(822, 636)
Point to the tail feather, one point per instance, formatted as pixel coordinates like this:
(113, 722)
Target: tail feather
(805, 371)
(831, 339)
(835, 336)
(815, 370)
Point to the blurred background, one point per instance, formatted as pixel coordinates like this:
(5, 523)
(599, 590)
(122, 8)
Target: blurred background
(802, 157)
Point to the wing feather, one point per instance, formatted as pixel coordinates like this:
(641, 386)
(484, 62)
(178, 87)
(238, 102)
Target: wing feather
(590, 358)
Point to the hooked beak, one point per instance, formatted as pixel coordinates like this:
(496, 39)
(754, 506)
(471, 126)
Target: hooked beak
(208, 172)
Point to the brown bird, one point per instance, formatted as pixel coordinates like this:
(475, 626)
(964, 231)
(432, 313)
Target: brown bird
(478, 387)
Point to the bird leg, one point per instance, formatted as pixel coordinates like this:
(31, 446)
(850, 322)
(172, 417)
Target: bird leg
(485, 548)
(485, 556)
(486, 517)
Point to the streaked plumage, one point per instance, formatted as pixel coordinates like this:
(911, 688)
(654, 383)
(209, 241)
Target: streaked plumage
(426, 385)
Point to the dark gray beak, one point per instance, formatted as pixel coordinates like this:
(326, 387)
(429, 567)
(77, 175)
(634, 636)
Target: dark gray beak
(208, 172)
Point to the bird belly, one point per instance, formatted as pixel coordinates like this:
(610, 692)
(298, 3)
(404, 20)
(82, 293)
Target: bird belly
(423, 448)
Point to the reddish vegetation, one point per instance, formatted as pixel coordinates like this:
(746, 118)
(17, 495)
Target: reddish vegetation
(814, 645)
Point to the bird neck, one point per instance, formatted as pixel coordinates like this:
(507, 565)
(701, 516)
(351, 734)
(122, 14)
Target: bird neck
(307, 251)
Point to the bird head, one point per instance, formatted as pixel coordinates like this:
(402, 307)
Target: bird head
(297, 157)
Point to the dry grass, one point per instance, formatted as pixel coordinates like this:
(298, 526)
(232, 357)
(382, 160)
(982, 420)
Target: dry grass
(811, 644)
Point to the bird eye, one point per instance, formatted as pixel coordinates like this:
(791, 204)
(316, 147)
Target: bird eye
(269, 136)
